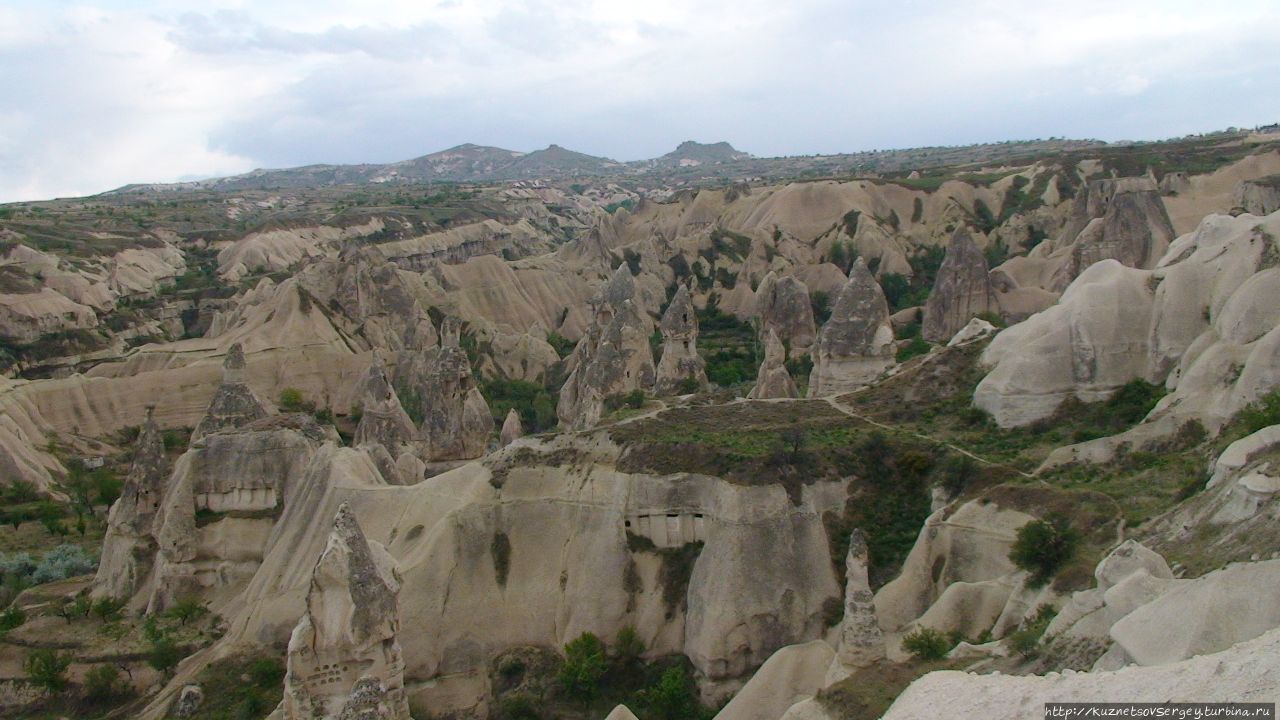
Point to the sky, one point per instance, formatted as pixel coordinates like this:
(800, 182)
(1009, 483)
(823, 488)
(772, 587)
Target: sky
(95, 95)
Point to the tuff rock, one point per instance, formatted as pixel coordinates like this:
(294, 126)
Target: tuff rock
(782, 303)
(773, 380)
(856, 344)
(680, 360)
(129, 547)
(234, 404)
(961, 291)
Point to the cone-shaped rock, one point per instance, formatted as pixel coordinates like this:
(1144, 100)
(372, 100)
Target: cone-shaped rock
(856, 343)
(383, 419)
(612, 361)
(129, 547)
(344, 655)
(783, 306)
(456, 423)
(680, 360)
(511, 429)
(961, 291)
(234, 404)
(860, 640)
(773, 380)
(1122, 219)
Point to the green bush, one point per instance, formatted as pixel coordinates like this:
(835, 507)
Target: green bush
(11, 618)
(628, 646)
(108, 609)
(534, 404)
(1263, 413)
(1044, 546)
(916, 347)
(47, 669)
(104, 683)
(672, 697)
(1134, 400)
(1026, 638)
(266, 673)
(164, 654)
(926, 644)
(186, 610)
(584, 665)
(291, 400)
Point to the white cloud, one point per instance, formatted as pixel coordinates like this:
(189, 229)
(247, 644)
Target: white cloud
(109, 92)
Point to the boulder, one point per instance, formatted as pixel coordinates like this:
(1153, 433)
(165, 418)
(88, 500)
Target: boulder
(680, 362)
(234, 404)
(344, 655)
(1130, 557)
(791, 674)
(961, 291)
(188, 702)
(977, 329)
(129, 547)
(856, 344)
(783, 306)
(773, 380)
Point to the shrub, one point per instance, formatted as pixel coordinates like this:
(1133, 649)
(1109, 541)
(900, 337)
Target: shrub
(672, 698)
(266, 673)
(500, 548)
(291, 400)
(916, 347)
(1134, 400)
(11, 618)
(1263, 413)
(628, 646)
(108, 609)
(926, 644)
(1026, 638)
(63, 562)
(185, 610)
(103, 683)
(688, 386)
(584, 665)
(1043, 546)
(634, 399)
(47, 669)
(164, 654)
(562, 345)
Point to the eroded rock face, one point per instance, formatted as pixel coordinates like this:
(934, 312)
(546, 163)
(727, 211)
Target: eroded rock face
(129, 547)
(1259, 197)
(1116, 219)
(680, 362)
(613, 358)
(383, 420)
(511, 429)
(773, 380)
(456, 422)
(783, 306)
(961, 291)
(856, 344)
(344, 655)
(235, 404)
(860, 640)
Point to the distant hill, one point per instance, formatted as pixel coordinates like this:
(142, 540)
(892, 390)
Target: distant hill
(692, 154)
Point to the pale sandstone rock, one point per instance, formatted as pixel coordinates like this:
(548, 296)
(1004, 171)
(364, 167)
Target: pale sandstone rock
(620, 712)
(235, 404)
(977, 329)
(791, 674)
(782, 304)
(129, 548)
(456, 422)
(861, 642)
(773, 380)
(1260, 196)
(511, 430)
(344, 655)
(1118, 219)
(856, 344)
(680, 359)
(961, 291)
(25, 317)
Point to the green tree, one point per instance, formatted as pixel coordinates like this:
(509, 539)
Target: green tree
(291, 400)
(672, 698)
(47, 669)
(103, 683)
(584, 665)
(164, 654)
(1043, 546)
(927, 644)
(186, 610)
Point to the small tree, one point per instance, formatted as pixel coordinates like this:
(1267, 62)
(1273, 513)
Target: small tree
(584, 665)
(926, 644)
(108, 609)
(164, 654)
(103, 683)
(291, 400)
(628, 646)
(1043, 546)
(672, 697)
(185, 610)
(47, 669)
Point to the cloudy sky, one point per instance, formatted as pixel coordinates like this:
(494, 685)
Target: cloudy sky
(100, 93)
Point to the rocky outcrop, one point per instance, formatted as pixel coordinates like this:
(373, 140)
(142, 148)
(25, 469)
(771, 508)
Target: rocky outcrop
(783, 306)
(860, 643)
(511, 429)
(129, 548)
(1114, 219)
(613, 358)
(773, 380)
(344, 655)
(26, 317)
(1203, 322)
(456, 422)
(234, 404)
(961, 291)
(1258, 197)
(856, 344)
(680, 365)
(792, 674)
(383, 420)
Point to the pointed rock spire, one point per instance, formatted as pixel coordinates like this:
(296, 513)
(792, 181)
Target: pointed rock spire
(860, 640)
(856, 343)
(783, 306)
(511, 429)
(344, 655)
(773, 380)
(961, 291)
(456, 423)
(611, 361)
(234, 404)
(680, 362)
(383, 419)
(129, 546)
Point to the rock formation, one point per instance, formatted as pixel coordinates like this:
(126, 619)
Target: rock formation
(961, 291)
(511, 429)
(773, 380)
(1118, 219)
(782, 304)
(856, 344)
(680, 362)
(344, 655)
(129, 547)
(613, 358)
(383, 419)
(860, 641)
(234, 404)
(456, 422)
(1259, 197)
